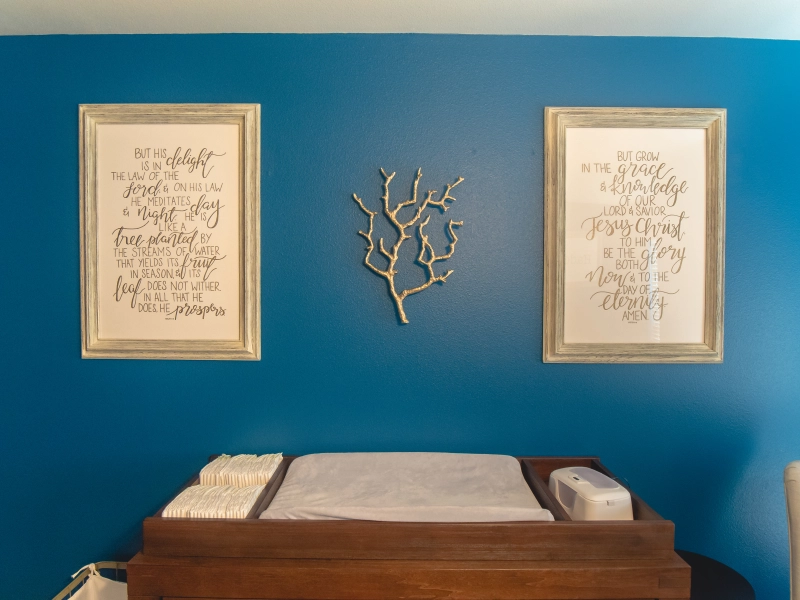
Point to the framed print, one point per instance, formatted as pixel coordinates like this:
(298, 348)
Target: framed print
(634, 235)
(170, 231)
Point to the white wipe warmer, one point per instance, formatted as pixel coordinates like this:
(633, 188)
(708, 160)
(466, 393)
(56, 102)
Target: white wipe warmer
(588, 495)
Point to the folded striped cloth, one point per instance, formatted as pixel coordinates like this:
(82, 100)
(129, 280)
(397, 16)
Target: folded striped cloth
(229, 487)
(241, 470)
(214, 502)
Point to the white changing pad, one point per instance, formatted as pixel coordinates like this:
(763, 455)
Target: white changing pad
(406, 486)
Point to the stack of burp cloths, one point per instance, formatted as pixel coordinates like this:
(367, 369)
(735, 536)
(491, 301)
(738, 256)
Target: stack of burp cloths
(240, 470)
(229, 487)
(214, 502)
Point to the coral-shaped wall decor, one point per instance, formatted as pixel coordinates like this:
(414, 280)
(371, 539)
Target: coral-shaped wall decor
(427, 257)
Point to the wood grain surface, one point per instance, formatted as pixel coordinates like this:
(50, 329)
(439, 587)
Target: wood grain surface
(384, 579)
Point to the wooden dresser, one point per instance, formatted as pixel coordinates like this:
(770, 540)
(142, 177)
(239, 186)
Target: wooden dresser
(252, 559)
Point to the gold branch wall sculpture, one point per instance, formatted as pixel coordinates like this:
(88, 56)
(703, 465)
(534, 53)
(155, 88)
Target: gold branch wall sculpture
(427, 257)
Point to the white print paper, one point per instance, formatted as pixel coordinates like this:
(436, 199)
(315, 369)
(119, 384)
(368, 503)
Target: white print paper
(635, 235)
(168, 252)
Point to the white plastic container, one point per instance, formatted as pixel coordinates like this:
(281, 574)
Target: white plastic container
(588, 495)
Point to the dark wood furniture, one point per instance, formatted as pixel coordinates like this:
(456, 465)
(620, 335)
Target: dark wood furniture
(194, 559)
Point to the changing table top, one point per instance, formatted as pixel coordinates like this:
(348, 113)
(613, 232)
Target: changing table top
(406, 486)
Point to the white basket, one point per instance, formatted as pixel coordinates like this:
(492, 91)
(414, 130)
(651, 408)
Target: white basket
(104, 569)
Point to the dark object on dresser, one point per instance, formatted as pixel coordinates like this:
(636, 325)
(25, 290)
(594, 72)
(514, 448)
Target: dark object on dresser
(359, 560)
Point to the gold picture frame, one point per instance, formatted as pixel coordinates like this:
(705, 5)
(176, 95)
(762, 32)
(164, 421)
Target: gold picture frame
(566, 310)
(200, 318)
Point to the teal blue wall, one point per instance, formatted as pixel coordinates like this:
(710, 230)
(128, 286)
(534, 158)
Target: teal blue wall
(89, 448)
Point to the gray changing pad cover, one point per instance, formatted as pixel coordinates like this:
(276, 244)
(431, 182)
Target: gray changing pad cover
(406, 486)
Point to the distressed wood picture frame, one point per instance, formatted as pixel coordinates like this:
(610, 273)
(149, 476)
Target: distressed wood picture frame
(170, 231)
(634, 207)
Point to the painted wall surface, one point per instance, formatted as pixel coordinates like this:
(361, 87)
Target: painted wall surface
(91, 447)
